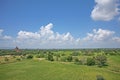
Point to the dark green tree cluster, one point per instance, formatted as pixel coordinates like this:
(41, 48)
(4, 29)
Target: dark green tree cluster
(30, 56)
(101, 60)
(90, 61)
(50, 56)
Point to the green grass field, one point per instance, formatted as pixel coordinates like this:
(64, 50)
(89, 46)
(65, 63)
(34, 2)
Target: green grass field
(46, 70)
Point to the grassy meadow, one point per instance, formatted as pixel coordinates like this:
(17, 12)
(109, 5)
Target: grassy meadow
(42, 69)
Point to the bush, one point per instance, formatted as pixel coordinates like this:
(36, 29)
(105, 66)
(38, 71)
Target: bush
(90, 61)
(29, 56)
(50, 57)
(6, 59)
(38, 56)
(18, 59)
(69, 58)
(22, 57)
(77, 61)
(42, 55)
(75, 53)
(62, 54)
(14, 56)
(64, 59)
(99, 77)
(101, 60)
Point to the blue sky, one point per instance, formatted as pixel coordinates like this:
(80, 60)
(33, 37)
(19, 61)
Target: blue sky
(66, 23)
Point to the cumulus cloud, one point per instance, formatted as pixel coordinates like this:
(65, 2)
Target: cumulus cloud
(27, 35)
(105, 10)
(99, 35)
(45, 37)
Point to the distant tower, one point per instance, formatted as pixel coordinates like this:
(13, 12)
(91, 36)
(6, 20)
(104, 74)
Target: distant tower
(17, 49)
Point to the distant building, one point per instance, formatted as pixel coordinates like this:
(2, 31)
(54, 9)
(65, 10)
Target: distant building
(17, 49)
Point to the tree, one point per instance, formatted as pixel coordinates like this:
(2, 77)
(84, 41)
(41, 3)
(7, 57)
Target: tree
(69, 58)
(57, 56)
(77, 61)
(90, 61)
(29, 56)
(50, 56)
(101, 60)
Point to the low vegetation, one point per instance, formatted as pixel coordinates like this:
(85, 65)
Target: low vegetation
(66, 64)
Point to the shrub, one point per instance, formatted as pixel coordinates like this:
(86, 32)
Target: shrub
(6, 59)
(14, 56)
(22, 57)
(99, 77)
(18, 59)
(50, 57)
(29, 56)
(90, 61)
(40, 55)
(75, 53)
(101, 60)
(77, 61)
(69, 58)
(62, 54)
(37, 56)
(64, 59)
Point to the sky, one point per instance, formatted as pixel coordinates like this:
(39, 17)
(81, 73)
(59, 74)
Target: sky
(59, 24)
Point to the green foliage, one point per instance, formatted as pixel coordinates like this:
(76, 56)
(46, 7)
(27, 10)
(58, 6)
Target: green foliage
(30, 56)
(50, 56)
(41, 55)
(90, 61)
(22, 57)
(6, 59)
(69, 58)
(77, 61)
(37, 56)
(75, 53)
(14, 56)
(18, 59)
(99, 77)
(101, 60)
(62, 54)
(63, 58)
(60, 71)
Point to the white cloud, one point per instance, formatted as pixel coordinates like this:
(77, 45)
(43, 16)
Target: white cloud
(100, 35)
(46, 30)
(105, 10)
(45, 37)
(116, 39)
(5, 41)
(1, 30)
(4, 37)
(7, 37)
(28, 35)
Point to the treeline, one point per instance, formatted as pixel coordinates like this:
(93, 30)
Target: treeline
(88, 52)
